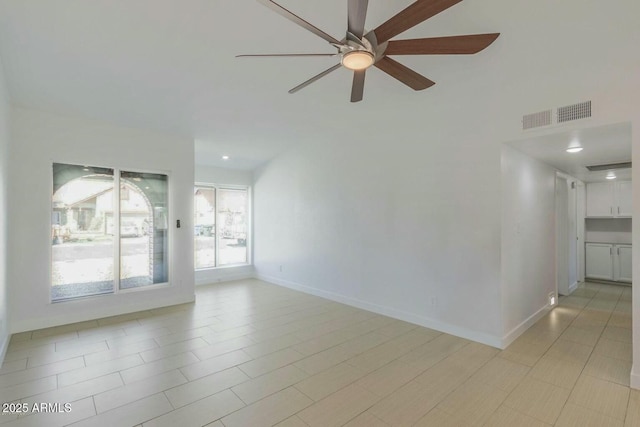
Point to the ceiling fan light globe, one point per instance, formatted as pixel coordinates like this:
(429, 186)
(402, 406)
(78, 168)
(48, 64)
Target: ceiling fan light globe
(357, 60)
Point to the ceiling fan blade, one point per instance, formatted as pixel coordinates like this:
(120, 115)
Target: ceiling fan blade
(285, 55)
(357, 16)
(301, 22)
(357, 90)
(455, 45)
(413, 15)
(314, 78)
(406, 75)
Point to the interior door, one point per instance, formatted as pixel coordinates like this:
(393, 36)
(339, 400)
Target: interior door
(581, 211)
(562, 236)
(572, 233)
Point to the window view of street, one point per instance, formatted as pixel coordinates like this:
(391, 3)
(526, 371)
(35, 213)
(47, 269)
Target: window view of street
(229, 247)
(83, 231)
(232, 221)
(205, 227)
(82, 251)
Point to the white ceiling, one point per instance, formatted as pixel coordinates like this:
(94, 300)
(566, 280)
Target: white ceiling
(170, 65)
(601, 145)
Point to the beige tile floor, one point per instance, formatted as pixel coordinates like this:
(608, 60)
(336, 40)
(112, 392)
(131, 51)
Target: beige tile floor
(253, 354)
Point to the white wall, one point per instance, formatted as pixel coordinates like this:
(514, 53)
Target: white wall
(393, 228)
(215, 175)
(38, 140)
(616, 230)
(4, 154)
(528, 240)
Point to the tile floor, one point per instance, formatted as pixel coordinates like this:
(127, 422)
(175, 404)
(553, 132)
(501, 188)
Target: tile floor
(253, 354)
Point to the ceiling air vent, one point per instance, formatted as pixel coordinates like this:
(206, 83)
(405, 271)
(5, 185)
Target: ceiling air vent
(574, 112)
(536, 120)
(594, 168)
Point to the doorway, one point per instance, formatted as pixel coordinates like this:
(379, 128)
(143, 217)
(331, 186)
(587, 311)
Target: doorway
(569, 237)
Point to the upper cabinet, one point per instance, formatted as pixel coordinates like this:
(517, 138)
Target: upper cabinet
(609, 199)
(624, 198)
(600, 199)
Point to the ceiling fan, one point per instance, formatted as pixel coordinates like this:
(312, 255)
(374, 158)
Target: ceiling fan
(359, 49)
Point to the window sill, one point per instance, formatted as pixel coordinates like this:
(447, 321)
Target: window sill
(223, 267)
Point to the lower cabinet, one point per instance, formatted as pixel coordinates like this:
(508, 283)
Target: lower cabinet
(608, 262)
(622, 263)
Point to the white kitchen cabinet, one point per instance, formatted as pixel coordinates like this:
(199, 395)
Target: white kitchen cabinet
(608, 262)
(624, 198)
(609, 199)
(622, 263)
(599, 262)
(600, 199)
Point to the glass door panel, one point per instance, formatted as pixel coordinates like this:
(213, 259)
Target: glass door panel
(82, 231)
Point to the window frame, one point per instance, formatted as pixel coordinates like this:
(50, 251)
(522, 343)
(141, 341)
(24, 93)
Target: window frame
(249, 242)
(116, 224)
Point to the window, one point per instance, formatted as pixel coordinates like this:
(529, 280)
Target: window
(221, 226)
(103, 240)
(205, 227)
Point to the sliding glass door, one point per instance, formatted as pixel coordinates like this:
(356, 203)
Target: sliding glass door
(89, 216)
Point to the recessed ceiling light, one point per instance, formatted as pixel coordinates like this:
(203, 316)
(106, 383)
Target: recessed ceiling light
(225, 157)
(611, 177)
(574, 149)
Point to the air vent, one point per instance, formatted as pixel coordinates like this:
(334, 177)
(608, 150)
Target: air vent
(574, 112)
(594, 168)
(536, 120)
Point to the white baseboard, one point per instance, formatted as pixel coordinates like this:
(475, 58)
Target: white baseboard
(526, 324)
(573, 287)
(66, 319)
(416, 319)
(225, 274)
(225, 278)
(635, 378)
